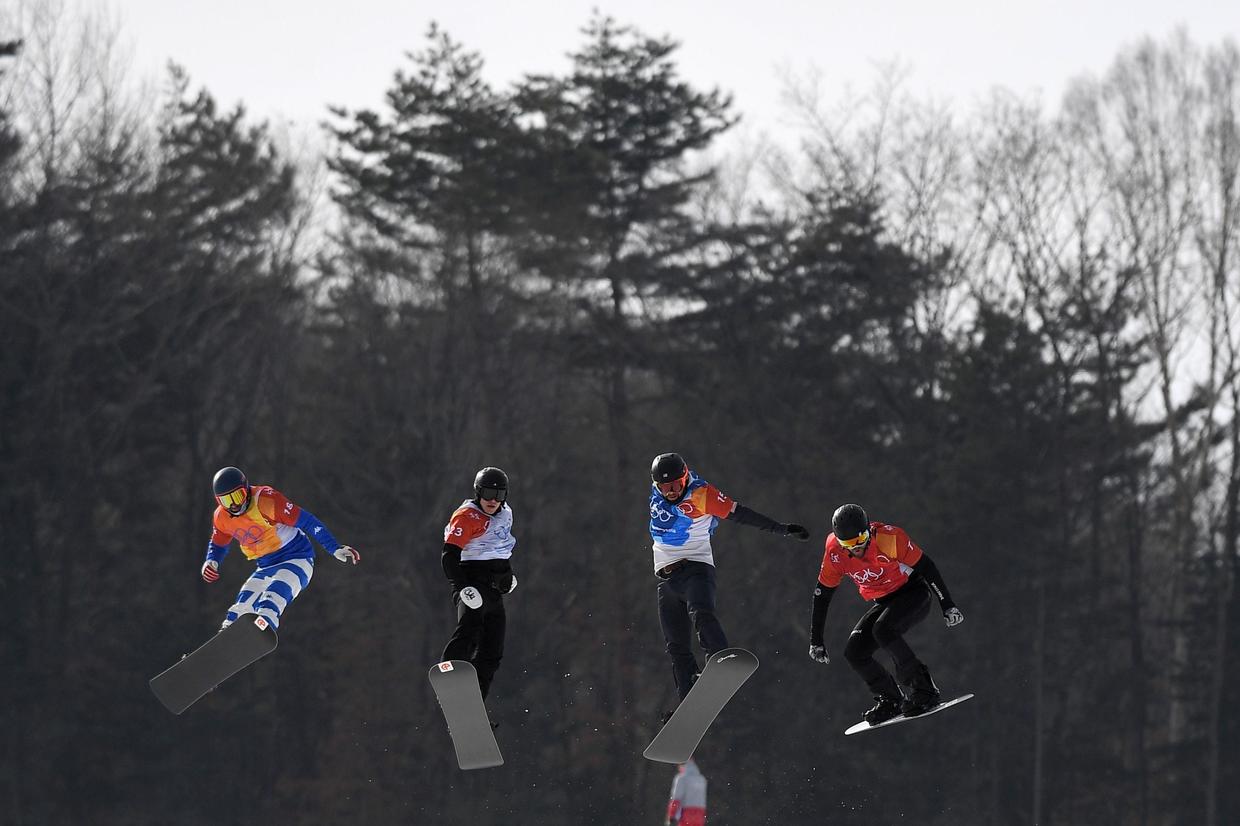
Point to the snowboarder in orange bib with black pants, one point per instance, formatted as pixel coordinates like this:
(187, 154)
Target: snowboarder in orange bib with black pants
(891, 570)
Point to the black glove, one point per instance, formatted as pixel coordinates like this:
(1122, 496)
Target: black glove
(505, 583)
(799, 531)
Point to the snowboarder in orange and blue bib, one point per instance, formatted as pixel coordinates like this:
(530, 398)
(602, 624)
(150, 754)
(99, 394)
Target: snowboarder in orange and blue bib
(272, 531)
(888, 568)
(685, 509)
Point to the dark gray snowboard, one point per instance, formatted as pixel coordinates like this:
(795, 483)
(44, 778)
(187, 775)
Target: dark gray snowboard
(456, 687)
(248, 639)
(725, 672)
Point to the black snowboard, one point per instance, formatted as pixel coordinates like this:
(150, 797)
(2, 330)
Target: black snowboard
(248, 639)
(725, 672)
(456, 687)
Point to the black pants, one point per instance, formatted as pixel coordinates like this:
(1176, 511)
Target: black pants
(479, 635)
(687, 604)
(884, 626)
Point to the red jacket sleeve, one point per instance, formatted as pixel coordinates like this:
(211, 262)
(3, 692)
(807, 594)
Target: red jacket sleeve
(714, 501)
(827, 574)
(276, 508)
(465, 525)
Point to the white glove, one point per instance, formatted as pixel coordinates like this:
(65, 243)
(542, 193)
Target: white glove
(952, 616)
(347, 554)
(471, 597)
(210, 571)
(513, 586)
(818, 653)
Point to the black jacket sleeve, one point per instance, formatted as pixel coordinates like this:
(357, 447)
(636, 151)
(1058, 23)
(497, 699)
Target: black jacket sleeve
(753, 519)
(928, 571)
(822, 600)
(451, 560)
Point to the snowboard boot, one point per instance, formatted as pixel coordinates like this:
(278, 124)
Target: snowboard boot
(884, 709)
(921, 694)
(886, 695)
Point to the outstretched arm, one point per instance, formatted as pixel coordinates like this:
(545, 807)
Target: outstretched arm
(750, 517)
(310, 525)
(276, 508)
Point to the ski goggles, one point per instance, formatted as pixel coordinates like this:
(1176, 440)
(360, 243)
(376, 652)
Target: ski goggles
(675, 487)
(671, 488)
(856, 542)
(493, 494)
(233, 500)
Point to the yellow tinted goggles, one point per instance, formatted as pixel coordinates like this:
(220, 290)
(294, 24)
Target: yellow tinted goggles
(856, 542)
(233, 499)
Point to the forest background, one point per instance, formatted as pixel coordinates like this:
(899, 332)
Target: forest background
(1011, 332)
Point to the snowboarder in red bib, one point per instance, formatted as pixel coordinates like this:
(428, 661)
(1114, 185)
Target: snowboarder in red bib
(891, 570)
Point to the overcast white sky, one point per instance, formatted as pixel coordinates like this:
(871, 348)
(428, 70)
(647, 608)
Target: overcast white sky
(289, 59)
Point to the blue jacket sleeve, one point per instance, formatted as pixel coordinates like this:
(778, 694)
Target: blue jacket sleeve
(310, 525)
(216, 552)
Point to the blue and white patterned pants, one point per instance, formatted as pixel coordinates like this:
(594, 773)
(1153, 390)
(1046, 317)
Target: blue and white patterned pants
(269, 591)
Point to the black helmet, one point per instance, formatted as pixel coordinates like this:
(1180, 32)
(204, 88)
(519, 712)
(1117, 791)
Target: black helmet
(231, 489)
(493, 482)
(849, 521)
(668, 467)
